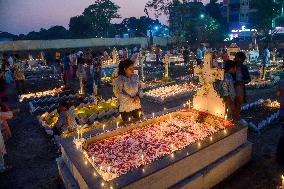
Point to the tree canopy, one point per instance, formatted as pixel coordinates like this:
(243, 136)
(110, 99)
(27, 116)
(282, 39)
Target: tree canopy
(95, 20)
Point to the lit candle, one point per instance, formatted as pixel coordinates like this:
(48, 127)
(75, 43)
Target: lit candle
(103, 127)
(129, 119)
(161, 128)
(117, 124)
(93, 159)
(140, 114)
(78, 134)
(153, 115)
(142, 158)
(108, 169)
(187, 136)
(226, 117)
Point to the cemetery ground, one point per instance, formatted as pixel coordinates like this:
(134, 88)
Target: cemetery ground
(33, 155)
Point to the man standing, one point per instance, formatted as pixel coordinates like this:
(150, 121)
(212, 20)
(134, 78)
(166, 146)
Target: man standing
(241, 78)
(157, 52)
(73, 62)
(199, 55)
(67, 70)
(265, 61)
(97, 62)
(186, 55)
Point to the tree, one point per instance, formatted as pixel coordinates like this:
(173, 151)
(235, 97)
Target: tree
(99, 16)
(161, 6)
(265, 11)
(214, 10)
(79, 26)
(139, 26)
(192, 21)
(54, 32)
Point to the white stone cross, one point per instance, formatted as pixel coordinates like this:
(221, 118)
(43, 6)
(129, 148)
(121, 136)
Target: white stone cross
(207, 99)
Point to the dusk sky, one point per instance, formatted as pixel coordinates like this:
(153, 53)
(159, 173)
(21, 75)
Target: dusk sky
(23, 16)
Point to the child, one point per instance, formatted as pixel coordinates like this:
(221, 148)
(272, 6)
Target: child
(280, 147)
(228, 88)
(66, 120)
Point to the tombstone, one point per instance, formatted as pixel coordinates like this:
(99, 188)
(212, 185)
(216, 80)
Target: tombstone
(207, 99)
(114, 56)
(166, 62)
(232, 51)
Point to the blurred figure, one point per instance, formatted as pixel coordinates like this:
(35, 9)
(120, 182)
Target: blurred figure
(4, 116)
(66, 120)
(67, 70)
(242, 77)
(125, 54)
(225, 55)
(199, 56)
(73, 63)
(228, 89)
(3, 87)
(186, 53)
(97, 62)
(81, 73)
(19, 79)
(157, 53)
(265, 62)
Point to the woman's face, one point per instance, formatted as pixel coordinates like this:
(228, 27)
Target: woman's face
(129, 71)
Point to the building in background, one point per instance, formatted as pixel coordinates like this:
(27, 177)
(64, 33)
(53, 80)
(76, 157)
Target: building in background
(237, 13)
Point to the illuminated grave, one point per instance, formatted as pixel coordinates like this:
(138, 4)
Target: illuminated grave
(182, 149)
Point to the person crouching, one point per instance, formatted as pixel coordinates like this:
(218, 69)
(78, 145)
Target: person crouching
(66, 120)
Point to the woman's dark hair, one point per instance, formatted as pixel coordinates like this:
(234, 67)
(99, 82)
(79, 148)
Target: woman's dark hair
(124, 65)
(241, 55)
(229, 64)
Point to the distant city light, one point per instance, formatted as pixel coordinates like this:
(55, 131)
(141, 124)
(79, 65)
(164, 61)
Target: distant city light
(202, 16)
(156, 27)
